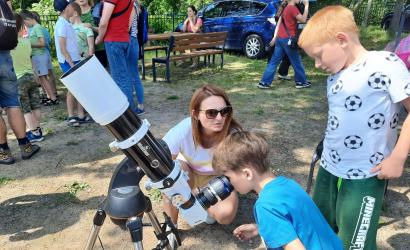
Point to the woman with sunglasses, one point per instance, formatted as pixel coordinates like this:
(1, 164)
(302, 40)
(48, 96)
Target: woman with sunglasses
(192, 142)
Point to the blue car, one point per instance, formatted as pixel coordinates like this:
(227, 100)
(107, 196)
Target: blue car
(250, 23)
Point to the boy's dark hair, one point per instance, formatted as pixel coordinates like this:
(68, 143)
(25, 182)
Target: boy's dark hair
(76, 8)
(36, 16)
(242, 149)
(19, 21)
(26, 14)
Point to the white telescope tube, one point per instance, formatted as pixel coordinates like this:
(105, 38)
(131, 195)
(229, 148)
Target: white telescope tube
(97, 92)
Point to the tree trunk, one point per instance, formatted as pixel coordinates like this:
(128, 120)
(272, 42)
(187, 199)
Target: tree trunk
(367, 13)
(395, 23)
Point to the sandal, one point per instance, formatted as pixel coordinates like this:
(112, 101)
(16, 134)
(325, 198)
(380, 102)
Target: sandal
(50, 102)
(85, 119)
(73, 121)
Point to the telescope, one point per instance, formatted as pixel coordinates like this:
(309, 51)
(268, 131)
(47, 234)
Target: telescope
(97, 92)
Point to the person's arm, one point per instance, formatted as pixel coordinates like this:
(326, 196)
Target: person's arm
(90, 43)
(296, 244)
(184, 26)
(196, 27)
(392, 167)
(303, 18)
(272, 42)
(63, 49)
(246, 231)
(105, 19)
(40, 44)
(133, 13)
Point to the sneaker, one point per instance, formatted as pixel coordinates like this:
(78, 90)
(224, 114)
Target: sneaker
(263, 86)
(28, 150)
(300, 85)
(6, 157)
(281, 77)
(33, 137)
(139, 111)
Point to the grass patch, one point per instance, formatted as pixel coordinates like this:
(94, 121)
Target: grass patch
(72, 143)
(5, 180)
(172, 97)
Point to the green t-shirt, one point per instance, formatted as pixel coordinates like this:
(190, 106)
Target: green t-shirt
(82, 34)
(87, 17)
(21, 57)
(35, 33)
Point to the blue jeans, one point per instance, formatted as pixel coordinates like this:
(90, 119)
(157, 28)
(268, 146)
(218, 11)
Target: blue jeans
(122, 61)
(282, 48)
(9, 95)
(133, 68)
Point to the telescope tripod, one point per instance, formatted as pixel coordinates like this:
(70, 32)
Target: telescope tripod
(127, 204)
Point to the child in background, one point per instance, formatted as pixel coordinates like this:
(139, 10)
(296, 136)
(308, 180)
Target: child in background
(85, 36)
(360, 151)
(29, 94)
(285, 215)
(39, 55)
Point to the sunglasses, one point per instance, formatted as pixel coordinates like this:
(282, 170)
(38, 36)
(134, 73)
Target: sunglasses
(213, 113)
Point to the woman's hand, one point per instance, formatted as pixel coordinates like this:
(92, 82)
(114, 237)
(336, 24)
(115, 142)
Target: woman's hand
(246, 231)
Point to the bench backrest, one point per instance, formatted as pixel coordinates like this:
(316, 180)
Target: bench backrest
(188, 41)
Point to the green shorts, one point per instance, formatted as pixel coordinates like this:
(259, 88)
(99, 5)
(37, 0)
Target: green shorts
(351, 207)
(29, 93)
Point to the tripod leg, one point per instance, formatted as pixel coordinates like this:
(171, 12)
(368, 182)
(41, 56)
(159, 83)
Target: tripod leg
(134, 225)
(98, 221)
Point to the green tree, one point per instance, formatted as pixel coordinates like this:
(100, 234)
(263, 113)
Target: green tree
(44, 7)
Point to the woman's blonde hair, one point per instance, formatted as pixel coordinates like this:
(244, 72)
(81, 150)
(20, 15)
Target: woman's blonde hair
(325, 24)
(197, 98)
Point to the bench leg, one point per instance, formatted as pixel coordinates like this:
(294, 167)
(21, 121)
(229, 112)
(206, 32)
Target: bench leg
(213, 59)
(154, 72)
(143, 67)
(167, 72)
(222, 60)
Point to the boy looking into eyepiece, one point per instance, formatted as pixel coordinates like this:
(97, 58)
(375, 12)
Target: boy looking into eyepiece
(360, 151)
(286, 217)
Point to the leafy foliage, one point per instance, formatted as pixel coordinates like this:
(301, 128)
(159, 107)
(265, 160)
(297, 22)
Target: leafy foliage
(44, 7)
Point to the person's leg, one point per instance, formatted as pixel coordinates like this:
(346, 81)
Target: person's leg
(325, 196)
(270, 70)
(41, 67)
(358, 210)
(296, 61)
(47, 87)
(225, 211)
(16, 121)
(133, 70)
(283, 70)
(117, 59)
(51, 76)
(3, 131)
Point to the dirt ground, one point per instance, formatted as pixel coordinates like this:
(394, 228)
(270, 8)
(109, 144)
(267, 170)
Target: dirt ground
(36, 211)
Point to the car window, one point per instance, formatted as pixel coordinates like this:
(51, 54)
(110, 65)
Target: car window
(256, 8)
(237, 8)
(213, 11)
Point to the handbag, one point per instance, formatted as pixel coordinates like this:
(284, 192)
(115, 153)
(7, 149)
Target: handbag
(8, 31)
(293, 40)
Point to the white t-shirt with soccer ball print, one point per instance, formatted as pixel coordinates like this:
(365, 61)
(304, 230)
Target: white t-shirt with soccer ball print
(363, 114)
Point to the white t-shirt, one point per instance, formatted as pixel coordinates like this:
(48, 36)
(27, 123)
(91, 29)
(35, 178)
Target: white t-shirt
(64, 29)
(180, 142)
(363, 114)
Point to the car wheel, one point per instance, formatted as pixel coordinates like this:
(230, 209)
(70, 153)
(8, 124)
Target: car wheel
(254, 46)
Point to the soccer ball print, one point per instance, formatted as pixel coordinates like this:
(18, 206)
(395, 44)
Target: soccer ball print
(392, 57)
(333, 122)
(355, 173)
(379, 81)
(323, 163)
(358, 67)
(394, 121)
(334, 156)
(353, 142)
(376, 158)
(353, 103)
(376, 121)
(407, 89)
(337, 87)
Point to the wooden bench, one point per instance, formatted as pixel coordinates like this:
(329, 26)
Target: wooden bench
(150, 48)
(199, 44)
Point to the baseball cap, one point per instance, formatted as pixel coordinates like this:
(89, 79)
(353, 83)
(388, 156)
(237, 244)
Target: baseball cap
(60, 5)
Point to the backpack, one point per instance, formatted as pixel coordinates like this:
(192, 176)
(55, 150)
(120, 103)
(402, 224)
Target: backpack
(8, 30)
(98, 9)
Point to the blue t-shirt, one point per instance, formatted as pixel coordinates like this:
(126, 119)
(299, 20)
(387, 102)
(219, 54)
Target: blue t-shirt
(284, 212)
